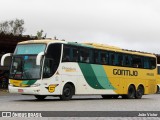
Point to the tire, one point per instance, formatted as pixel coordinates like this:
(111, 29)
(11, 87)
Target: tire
(139, 92)
(157, 89)
(67, 93)
(40, 97)
(131, 93)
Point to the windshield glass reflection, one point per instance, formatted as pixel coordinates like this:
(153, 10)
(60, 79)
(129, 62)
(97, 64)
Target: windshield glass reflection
(24, 67)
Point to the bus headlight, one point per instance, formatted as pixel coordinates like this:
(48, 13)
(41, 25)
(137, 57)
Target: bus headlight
(10, 85)
(35, 85)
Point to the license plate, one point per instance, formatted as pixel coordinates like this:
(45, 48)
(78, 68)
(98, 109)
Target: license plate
(20, 90)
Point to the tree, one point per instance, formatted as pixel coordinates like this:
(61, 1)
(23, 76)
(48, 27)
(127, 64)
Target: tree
(15, 27)
(39, 35)
(4, 27)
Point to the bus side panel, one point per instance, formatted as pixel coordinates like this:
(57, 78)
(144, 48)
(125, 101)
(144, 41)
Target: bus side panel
(94, 79)
(102, 79)
(86, 78)
(121, 78)
(151, 87)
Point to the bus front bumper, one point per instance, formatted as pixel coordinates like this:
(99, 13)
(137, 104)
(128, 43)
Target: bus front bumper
(24, 90)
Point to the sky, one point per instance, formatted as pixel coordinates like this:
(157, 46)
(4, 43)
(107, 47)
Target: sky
(129, 24)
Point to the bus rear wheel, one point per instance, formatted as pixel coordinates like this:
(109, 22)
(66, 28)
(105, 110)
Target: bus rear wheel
(67, 92)
(40, 97)
(131, 93)
(139, 92)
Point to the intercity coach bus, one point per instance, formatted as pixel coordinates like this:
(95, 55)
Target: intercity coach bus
(59, 68)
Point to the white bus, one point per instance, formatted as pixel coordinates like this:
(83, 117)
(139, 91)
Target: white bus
(59, 68)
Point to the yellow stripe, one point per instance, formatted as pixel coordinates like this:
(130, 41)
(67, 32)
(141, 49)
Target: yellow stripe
(17, 83)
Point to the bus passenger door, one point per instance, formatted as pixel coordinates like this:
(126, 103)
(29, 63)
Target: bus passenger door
(51, 63)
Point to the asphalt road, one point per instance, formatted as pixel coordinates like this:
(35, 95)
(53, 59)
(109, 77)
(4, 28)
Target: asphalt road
(14, 102)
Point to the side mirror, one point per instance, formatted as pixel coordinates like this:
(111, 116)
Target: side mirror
(4, 57)
(39, 57)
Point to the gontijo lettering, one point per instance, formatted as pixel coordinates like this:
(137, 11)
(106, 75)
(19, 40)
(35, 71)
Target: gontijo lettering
(125, 72)
(69, 69)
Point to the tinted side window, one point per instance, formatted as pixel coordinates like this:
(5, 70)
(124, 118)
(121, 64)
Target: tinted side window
(127, 60)
(91, 56)
(146, 63)
(96, 57)
(70, 54)
(74, 54)
(84, 55)
(66, 54)
(137, 62)
(112, 58)
(119, 59)
(104, 57)
(152, 63)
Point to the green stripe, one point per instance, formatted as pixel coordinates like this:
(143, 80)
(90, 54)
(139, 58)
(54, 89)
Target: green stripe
(102, 76)
(95, 76)
(89, 75)
(28, 82)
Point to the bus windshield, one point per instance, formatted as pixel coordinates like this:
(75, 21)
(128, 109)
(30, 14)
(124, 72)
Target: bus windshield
(24, 67)
(29, 49)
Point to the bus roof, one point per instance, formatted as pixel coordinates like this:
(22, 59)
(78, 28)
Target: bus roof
(46, 41)
(118, 49)
(90, 45)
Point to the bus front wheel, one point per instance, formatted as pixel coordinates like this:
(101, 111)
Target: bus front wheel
(40, 97)
(67, 92)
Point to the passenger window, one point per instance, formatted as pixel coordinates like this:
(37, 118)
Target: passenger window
(104, 58)
(66, 54)
(75, 54)
(112, 59)
(96, 57)
(152, 63)
(120, 59)
(84, 55)
(91, 60)
(146, 63)
(127, 60)
(137, 62)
